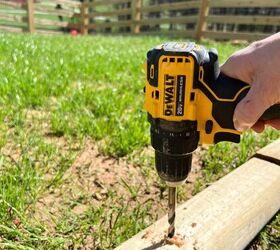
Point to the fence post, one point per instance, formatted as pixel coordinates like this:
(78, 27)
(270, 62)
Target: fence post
(84, 18)
(136, 15)
(201, 23)
(30, 15)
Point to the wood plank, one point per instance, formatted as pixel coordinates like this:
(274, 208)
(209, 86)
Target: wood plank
(66, 2)
(84, 18)
(170, 33)
(201, 24)
(47, 10)
(12, 18)
(49, 32)
(10, 29)
(173, 20)
(270, 152)
(110, 24)
(54, 6)
(171, 6)
(219, 35)
(51, 22)
(236, 19)
(136, 16)
(30, 16)
(226, 215)
(10, 4)
(111, 13)
(107, 2)
(242, 3)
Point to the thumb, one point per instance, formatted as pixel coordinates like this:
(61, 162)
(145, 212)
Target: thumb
(250, 108)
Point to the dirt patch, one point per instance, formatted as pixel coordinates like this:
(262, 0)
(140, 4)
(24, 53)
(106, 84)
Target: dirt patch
(92, 179)
(88, 183)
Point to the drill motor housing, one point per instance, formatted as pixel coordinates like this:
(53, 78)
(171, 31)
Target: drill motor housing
(188, 102)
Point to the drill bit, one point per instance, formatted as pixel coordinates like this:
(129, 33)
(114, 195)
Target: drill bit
(171, 212)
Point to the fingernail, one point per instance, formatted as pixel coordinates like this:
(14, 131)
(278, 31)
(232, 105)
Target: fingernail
(239, 127)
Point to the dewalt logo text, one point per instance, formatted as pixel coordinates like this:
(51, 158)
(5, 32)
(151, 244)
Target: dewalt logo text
(169, 95)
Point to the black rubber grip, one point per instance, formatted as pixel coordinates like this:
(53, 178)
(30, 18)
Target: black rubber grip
(227, 88)
(272, 113)
(225, 93)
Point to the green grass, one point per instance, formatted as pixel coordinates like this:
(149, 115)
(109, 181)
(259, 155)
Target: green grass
(55, 93)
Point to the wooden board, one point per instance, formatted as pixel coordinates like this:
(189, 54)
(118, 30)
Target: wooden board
(49, 32)
(219, 35)
(30, 16)
(48, 22)
(65, 2)
(111, 13)
(107, 2)
(201, 24)
(171, 6)
(109, 24)
(270, 152)
(10, 29)
(226, 215)
(10, 4)
(256, 20)
(47, 11)
(12, 18)
(173, 20)
(244, 4)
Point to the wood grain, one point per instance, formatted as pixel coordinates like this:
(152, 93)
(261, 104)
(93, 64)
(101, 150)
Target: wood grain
(271, 152)
(226, 215)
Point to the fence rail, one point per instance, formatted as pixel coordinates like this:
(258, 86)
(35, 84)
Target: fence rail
(48, 17)
(217, 19)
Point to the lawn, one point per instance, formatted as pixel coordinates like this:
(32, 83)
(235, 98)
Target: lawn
(76, 168)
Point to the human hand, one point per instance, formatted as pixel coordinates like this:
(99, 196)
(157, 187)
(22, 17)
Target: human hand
(259, 65)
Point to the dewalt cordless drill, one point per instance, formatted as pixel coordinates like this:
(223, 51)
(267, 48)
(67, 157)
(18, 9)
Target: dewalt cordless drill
(189, 102)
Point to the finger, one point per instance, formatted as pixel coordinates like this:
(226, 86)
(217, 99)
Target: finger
(250, 108)
(275, 123)
(239, 66)
(258, 126)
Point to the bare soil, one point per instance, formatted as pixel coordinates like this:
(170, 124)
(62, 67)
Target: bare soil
(90, 179)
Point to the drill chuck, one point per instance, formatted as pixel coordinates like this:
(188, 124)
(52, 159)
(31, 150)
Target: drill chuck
(174, 143)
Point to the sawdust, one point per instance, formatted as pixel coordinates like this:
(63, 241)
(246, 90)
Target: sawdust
(176, 240)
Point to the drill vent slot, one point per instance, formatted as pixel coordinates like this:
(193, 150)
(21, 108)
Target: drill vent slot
(192, 96)
(155, 94)
(164, 59)
(180, 60)
(187, 60)
(172, 59)
(200, 74)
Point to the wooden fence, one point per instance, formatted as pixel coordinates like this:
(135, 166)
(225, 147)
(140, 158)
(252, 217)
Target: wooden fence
(216, 19)
(49, 16)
